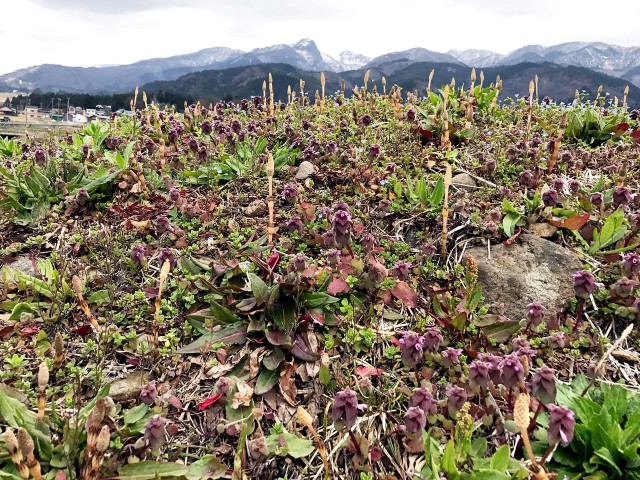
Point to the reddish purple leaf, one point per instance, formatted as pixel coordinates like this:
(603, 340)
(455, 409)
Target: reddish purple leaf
(207, 402)
(338, 285)
(403, 292)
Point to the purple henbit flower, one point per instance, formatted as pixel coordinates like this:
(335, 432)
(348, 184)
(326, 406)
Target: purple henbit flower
(574, 185)
(223, 385)
(154, 432)
(535, 312)
(551, 145)
(174, 194)
(634, 114)
(428, 249)
(193, 144)
(596, 199)
(258, 448)
(166, 254)
(451, 356)
(550, 197)
(300, 262)
(630, 264)
(546, 100)
(584, 283)
(294, 224)
(565, 156)
(526, 178)
(543, 385)
(391, 167)
(328, 239)
(558, 184)
(521, 145)
(415, 420)
(341, 206)
(401, 270)
(40, 156)
(202, 152)
(422, 398)
(621, 196)
(82, 196)
(624, 287)
(333, 257)
(164, 225)
(236, 126)
(491, 165)
(456, 398)
(137, 255)
(511, 371)
(561, 425)
(149, 393)
(374, 151)
(369, 240)
(433, 339)
(342, 225)
(519, 343)
(558, 340)
(411, 349)
(411, 114)
(479, 374)
(490, 227)
(59, 184)
(150, 145)
(344, 410)
(290, 191)
(365, 120)
(206, 127)
(172, 135)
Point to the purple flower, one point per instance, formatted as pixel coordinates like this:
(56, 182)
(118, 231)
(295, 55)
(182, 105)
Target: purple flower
(206, 127)
(558, 340)
(290, 191)
(584, 283)
(574, 185)
(624, 287)
(374, 151)
(391, 167)
(167, 254)
(163, 224)
(369, 241)
(39, 156)
(526, 178)
(300, 262)
(154, 432)
(149, 393)
(411, 114)
(558, 184)
(535, 312)
(223, 385)
(345, 409)
(550, 197)
(342, 227)
(433, 339)
(411, 349)
(451, 356)
(294, 224)
(365, 120)
(494, 360)
(596, 199)
(630, 264)
(333, 257)
(422, 398)
(561, 425)
(511, 371)
(621, 196)
(174, 194)
(456, 398)
(428, 249)
(137, 255)
(82, 196)
(543, 385)
(415, 420)
(479, 374)
(376, 272)
(401, 270)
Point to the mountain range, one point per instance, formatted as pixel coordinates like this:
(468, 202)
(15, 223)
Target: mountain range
(621, 62)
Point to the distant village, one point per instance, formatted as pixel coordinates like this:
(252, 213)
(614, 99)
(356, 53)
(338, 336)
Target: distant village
(66, 114)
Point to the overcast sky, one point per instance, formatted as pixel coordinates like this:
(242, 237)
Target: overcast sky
(94, 32)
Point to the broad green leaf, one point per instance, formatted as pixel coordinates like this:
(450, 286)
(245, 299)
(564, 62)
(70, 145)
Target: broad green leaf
(509, 223)
(272, 360)
(149, 470)
(500, 459)
(318, 299)
(222, 315)
(233, 334)
(258, 288)
(437, 196)
(267, 380)
(289, 444)
(207, 467)
(135, 414)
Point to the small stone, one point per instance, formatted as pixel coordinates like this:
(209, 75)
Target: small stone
(543, 230)
(129, 387)
(464, 180)
(305, 170)
(256, 208)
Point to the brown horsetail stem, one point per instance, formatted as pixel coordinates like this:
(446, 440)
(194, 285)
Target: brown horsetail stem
(556, 146)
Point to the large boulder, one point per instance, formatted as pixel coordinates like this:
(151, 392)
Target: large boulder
(532, 269)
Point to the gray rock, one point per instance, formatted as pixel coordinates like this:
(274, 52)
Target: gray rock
(256, 208)
(463, 180)
(544, 229)
(129, 387)
(23, 265)
(532, 269)
(305, 170)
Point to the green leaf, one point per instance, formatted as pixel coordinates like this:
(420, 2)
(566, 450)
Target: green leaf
(135, 414)
(448, 462)
(289, 444)
(324, 375)
(208, 467)
(18, 309)
(437, 196)
(233, 334)
(605, 456)
(267, 380)
(318, 299)
(509, 223)
(222, 315)
(284, 316)
(258, 288)
(272, 360)
(421, 191)
(99, 296)
(500, 459)
(149, 470)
